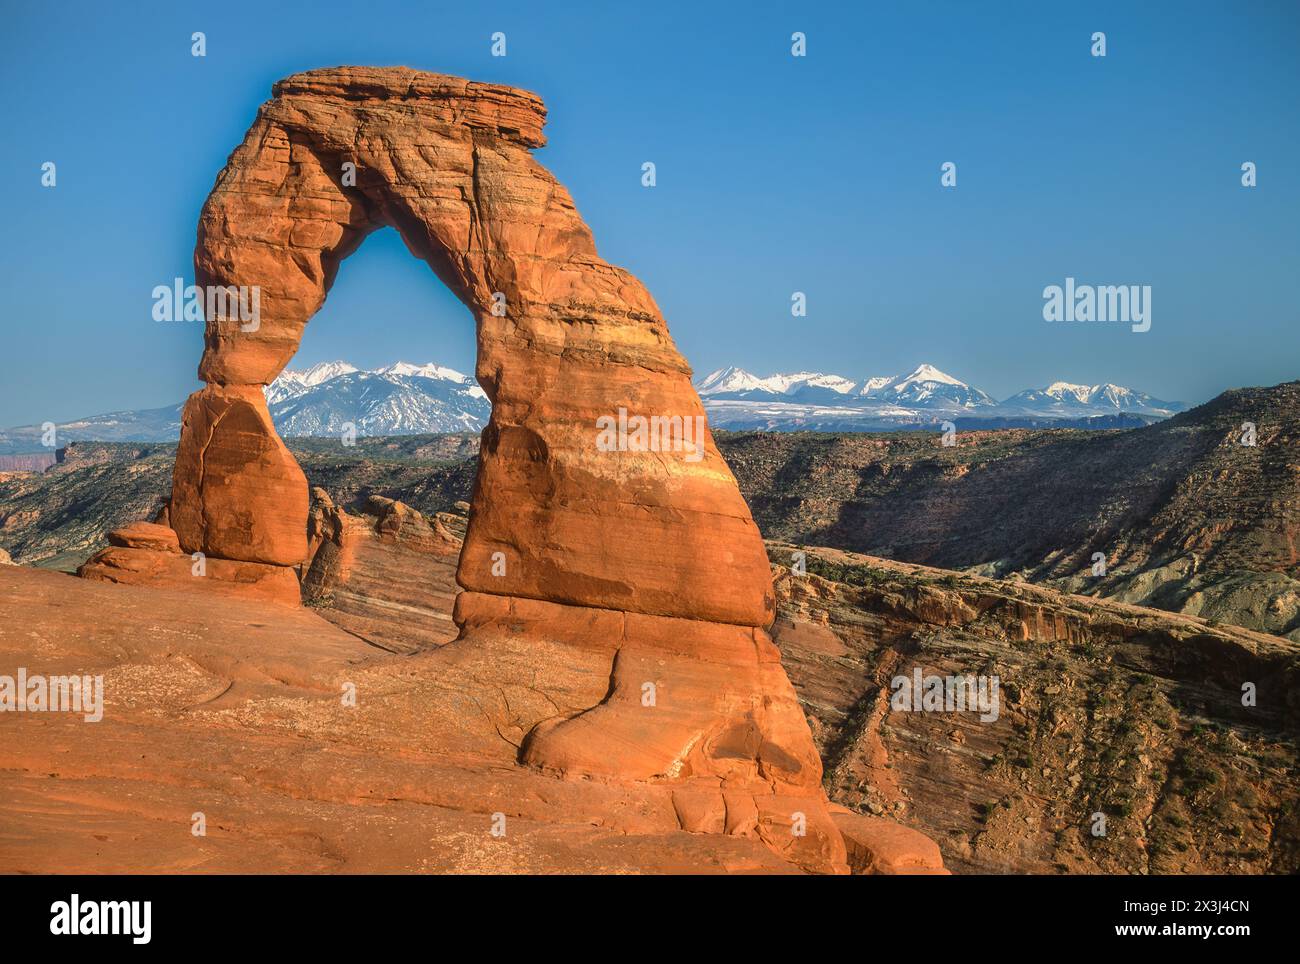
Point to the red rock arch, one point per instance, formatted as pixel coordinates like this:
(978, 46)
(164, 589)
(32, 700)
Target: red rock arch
(621, 568)
(448, 163)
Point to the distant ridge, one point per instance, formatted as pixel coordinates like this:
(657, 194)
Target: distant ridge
(400, 399)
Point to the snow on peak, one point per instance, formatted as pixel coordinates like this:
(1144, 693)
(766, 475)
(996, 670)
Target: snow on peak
(1116, 395)
(291, 384)
(729, 379)
(1089, 394)
(783, 384)
(923, 388)
(1081, 393)
(876, 383)
(322, 372)
(431, 370)
(835, 383)
(928, 373)
(397, 399)
(734, 379)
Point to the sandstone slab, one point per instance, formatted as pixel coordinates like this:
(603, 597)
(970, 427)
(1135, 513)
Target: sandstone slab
(217, 577)
(145, 535)
(232, 707)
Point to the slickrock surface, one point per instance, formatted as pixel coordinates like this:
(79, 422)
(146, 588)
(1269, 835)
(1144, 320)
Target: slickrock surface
(627, 591)
(1105, 708)
(235, 710)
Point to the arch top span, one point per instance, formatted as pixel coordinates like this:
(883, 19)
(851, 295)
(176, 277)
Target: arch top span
(506, 112)
(337, 153)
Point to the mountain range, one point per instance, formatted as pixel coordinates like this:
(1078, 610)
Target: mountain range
(406, 399)
(737, 399)
(401, 399)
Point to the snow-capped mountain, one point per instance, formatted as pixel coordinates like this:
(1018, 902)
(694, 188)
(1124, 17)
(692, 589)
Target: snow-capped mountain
(928, 387)
(292, 383)
(408, 399)
(401, 399)
(736, 383)
(1067, 399)
(925, 386)
(726, 380)
(735, 398)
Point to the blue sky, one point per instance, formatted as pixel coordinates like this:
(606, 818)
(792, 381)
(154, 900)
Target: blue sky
(775, 174)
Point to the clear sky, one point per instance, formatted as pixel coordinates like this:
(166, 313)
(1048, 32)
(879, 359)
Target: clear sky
(776, 174)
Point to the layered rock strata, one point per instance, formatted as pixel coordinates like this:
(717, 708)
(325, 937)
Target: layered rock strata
(387, 574)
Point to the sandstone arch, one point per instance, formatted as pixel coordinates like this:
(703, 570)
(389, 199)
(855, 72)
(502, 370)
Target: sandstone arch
(621, 568)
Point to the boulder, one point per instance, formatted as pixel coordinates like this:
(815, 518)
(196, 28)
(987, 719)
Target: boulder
(145, 535)
(877, 845)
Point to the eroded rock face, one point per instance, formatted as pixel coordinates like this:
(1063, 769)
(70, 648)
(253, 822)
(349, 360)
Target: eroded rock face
(237, 493)
(1102, 707)
(626, 588)
(145, 535)
(878, 845)
(387, 574)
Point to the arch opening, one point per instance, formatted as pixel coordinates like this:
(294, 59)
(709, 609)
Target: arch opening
(392, 351)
